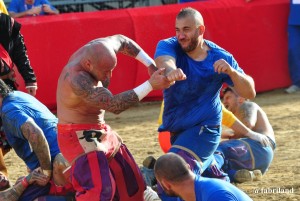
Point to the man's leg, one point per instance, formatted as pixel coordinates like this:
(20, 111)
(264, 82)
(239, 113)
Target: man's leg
(92, 178)
(196, 146)
(129, 180)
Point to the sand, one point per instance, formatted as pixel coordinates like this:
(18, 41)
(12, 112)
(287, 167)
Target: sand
(138, 126)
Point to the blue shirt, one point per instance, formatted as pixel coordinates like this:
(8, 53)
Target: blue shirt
(209, 189)
(294, 18)
(196, 100)
(18, 108)
(19, 6)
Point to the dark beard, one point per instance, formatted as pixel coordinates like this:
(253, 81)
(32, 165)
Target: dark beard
(192, 46)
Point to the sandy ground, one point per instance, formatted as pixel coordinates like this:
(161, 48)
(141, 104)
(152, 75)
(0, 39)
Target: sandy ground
(138, 125)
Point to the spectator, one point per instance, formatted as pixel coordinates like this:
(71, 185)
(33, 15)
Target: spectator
(23, 8)
(13, 54)
(192, 111)
(294, 46)
(31, 130)
(176, 178)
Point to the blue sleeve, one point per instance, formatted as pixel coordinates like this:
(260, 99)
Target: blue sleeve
(166, 47)
(13, 6)
(233, 63)
(13, 120)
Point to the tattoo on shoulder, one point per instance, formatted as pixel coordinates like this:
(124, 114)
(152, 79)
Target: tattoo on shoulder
(82, 85)
(246, 110)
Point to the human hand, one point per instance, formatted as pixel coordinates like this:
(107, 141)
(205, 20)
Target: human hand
(158, 80)
(4, 182)
(221, 66)
(37, 176)
(263, 139)
(46, 8)
(151, 69)
(34, 11)
(176, 75)
(227, 134)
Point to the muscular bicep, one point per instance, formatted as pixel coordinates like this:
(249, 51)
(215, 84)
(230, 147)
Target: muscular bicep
(100, 97)
(123, 44)
(248, 114)
(166, 62)
(32, 132)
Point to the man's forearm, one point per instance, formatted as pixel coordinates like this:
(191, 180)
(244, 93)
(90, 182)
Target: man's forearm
(243, 85)
(38, 142)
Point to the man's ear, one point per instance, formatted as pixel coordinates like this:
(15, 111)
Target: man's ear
(241, 100)
(201, 29)
(188, 166)
(87, 65)
(166, 184)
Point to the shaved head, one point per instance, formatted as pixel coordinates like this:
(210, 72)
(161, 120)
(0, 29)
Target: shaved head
(171, 167)
(191, 12)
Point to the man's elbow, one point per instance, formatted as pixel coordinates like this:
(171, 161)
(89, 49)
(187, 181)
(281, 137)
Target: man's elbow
(251, 94)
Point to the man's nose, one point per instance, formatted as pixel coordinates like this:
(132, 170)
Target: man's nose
(180, 35)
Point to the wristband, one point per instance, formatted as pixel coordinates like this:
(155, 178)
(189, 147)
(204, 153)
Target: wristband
(24, 182)
(27, 87)
(143, 90)
(144, 58)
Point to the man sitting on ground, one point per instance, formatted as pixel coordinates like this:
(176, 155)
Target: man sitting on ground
(240, 156)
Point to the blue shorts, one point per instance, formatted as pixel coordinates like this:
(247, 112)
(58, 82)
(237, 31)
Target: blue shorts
(245, 153)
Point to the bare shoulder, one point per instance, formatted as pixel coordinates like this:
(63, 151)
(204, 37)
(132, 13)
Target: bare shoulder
(249, 105)
(81, 82)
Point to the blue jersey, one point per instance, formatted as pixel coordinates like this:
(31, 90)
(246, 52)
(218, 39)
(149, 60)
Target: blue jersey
(294, 18)
(196, 100)
(18, 108)
(209, 189)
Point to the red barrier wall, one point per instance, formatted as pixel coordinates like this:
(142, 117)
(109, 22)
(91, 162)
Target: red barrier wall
(255, 33)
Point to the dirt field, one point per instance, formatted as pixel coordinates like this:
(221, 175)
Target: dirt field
(138, 127)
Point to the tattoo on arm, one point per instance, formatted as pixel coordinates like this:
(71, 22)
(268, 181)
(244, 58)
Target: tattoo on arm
(38, 142)
(129, 48)
(83, 86)
(13, 193)
(125, 45)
